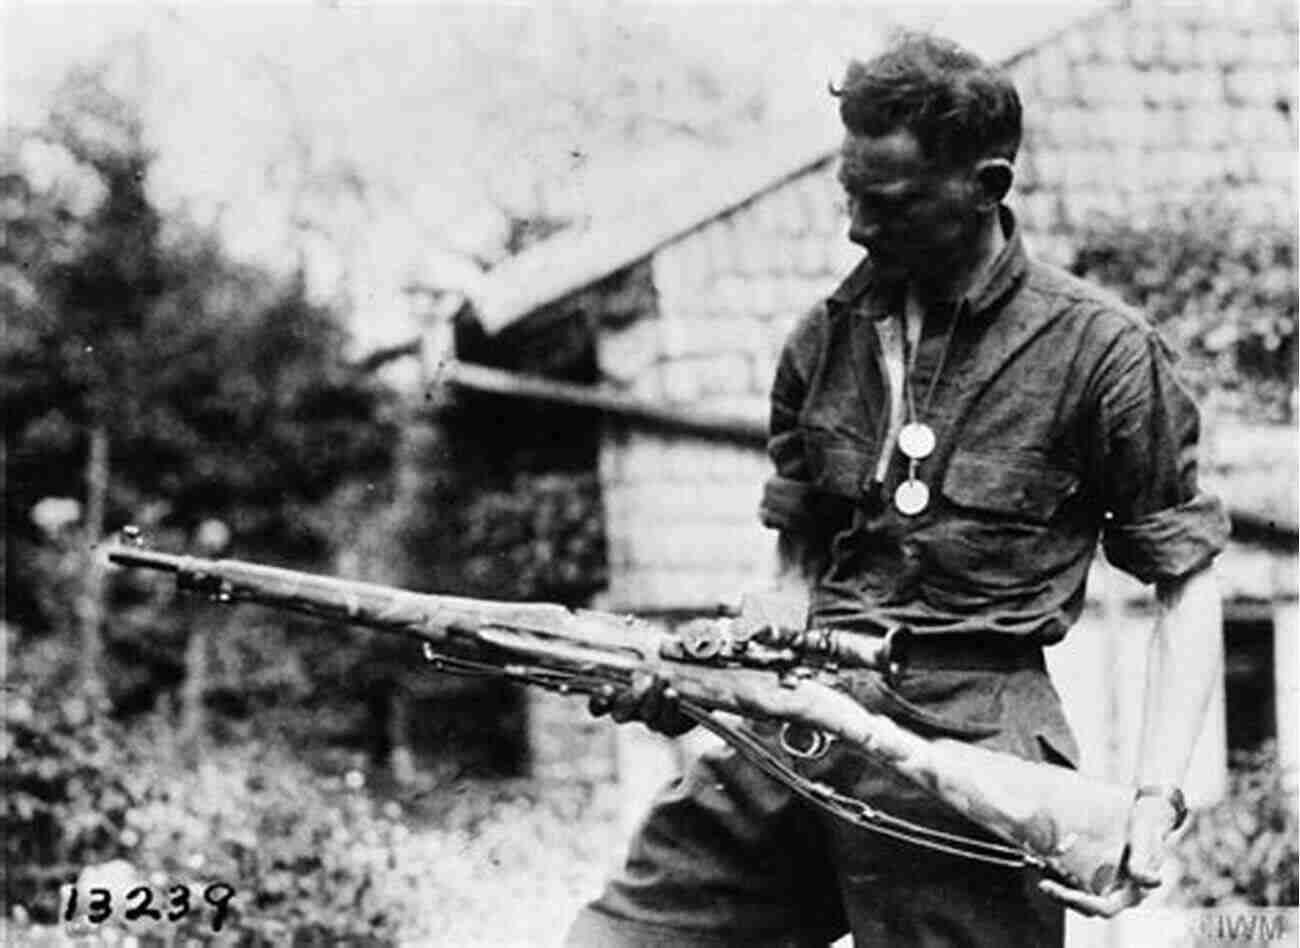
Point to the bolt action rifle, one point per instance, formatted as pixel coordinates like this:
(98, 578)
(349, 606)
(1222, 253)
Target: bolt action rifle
(1067, 825)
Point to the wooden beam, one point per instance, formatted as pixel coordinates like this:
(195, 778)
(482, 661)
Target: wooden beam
(717, 426)
(1248, 527)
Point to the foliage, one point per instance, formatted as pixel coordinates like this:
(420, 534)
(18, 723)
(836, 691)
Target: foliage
(66, 794)
(1244, 849)
(304, 852)
(1221, 288)
(314, 855)
(542, 538)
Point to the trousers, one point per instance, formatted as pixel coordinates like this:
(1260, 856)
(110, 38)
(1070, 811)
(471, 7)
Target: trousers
(730, 857)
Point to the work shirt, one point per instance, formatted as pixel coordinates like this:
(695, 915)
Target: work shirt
(1059, 421)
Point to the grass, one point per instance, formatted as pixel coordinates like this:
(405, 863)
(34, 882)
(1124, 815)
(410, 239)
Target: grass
(505, 864)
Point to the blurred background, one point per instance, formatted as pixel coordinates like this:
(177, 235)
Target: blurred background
(257, 261)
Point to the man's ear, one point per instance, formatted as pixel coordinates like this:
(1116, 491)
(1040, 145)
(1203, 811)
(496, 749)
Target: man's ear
(994, 177)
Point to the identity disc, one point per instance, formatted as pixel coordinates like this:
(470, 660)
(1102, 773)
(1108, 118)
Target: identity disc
(916, 440)
(911, 497)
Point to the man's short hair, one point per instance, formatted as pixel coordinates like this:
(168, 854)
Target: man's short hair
(959, 108)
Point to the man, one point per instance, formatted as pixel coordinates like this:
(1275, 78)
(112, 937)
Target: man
(953, 431)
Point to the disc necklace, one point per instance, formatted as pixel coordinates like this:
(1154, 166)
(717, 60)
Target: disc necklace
(916, 439)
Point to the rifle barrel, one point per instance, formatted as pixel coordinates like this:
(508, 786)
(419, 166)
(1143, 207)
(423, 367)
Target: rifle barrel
(429, 616)
(147, 559)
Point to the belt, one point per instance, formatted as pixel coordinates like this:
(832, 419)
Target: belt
(973, 651)
(958, 651)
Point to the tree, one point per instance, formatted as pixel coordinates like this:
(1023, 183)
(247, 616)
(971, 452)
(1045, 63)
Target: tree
(154, 379)
(93, 280)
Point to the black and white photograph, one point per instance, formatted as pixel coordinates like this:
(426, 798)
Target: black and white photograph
(650, 473)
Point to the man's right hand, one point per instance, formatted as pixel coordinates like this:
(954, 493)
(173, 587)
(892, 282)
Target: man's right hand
(649, 700)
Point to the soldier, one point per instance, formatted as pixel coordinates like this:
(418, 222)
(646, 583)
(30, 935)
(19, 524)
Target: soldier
(952, 430)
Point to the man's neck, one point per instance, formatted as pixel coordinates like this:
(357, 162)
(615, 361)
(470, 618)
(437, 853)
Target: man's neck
(988, 246)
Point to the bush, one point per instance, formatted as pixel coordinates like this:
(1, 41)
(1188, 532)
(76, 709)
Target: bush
(1243, 850)
(1222, 290)
(66, 799)
(306, 855)
(541, 538)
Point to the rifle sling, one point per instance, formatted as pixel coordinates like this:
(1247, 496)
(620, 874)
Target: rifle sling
(857, 812)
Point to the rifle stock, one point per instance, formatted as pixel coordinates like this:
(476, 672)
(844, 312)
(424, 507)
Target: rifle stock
(1067, 824)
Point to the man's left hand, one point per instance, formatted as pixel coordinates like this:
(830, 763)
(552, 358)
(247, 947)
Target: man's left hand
(1125, 895)
(1150, 824)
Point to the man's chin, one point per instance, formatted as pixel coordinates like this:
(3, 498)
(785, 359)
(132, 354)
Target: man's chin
(892, 270)
(923, 270)
(887, 264)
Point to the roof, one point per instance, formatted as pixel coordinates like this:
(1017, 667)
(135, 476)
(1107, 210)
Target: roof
(691, 196)
(1161, 98)
(570, 261)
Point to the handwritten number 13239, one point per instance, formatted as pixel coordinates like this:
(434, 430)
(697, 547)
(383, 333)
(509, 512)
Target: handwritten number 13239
(140, 904)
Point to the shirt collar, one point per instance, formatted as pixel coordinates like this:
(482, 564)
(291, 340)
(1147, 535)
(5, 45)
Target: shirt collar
(878, 300)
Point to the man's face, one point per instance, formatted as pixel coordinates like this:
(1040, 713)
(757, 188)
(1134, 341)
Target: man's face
(917, 219)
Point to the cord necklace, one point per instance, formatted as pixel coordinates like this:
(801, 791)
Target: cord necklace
(916, 439)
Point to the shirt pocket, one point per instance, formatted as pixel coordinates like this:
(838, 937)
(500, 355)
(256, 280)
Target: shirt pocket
(1015, 487)
(1005, 539)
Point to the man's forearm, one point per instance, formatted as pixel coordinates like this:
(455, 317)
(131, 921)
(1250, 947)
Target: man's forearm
(1184, 663)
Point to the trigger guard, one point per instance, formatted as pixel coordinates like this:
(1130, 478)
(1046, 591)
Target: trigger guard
(811, 744)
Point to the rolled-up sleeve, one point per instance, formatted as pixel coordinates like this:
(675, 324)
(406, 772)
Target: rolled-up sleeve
(1159, 525)
(788, 494)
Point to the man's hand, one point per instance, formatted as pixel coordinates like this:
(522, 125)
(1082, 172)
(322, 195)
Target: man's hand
(1151, 822)
(648, 700)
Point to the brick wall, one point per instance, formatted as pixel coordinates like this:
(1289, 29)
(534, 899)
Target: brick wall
(682, 513)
